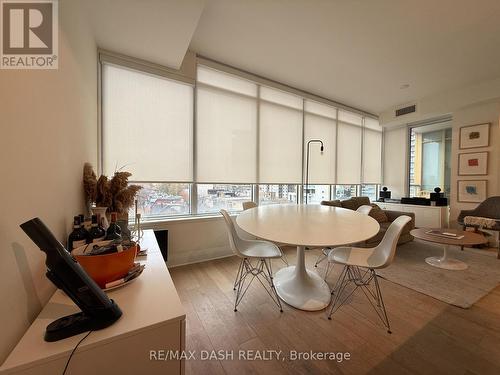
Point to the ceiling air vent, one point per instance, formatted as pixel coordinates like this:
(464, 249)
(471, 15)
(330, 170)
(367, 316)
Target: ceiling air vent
(406, 110)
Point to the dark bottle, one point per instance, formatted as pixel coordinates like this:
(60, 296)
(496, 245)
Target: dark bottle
(113, 232)
(96, 232)
(82, 227)
(77, 237)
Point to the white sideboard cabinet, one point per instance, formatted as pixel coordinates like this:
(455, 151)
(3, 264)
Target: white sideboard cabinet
(425, 216)
(153, 319)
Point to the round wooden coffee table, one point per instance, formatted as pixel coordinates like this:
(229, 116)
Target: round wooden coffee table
(468, 239)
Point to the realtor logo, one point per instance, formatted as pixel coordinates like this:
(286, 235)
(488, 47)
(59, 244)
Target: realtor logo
(29, 34)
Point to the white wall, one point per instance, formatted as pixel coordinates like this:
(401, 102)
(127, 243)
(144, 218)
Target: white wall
(474, 112)
(470, 115)
(445, 103)
(48, 130)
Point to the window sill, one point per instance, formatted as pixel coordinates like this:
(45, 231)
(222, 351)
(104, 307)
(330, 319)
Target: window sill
(158, 223)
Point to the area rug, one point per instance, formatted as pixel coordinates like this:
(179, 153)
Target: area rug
(458, 288)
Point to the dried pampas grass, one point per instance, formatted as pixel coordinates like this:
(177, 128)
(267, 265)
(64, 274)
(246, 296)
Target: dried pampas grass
(116, 194)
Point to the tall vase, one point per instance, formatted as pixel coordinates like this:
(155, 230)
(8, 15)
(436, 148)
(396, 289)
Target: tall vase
(101, 213)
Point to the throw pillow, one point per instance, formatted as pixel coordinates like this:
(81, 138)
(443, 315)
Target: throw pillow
(378, 214)
(350, 204)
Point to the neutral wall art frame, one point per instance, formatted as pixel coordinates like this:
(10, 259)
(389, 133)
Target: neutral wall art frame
(471, 191)
(473, 163)
(474, 136)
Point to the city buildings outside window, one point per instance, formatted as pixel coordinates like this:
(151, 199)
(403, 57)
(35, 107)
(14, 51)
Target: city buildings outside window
(370, 191)
(317, 193)
(430, 159)
(343, 192)
(276, 194)
(157, 200)
(213, 197)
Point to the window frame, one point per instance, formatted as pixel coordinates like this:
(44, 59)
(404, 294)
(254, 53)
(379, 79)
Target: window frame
(410, 127)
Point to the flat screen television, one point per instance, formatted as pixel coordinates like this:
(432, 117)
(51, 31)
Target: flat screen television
(97, 310)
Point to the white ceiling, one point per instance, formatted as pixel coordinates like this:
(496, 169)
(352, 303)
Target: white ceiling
(158, 31)
(357, 52)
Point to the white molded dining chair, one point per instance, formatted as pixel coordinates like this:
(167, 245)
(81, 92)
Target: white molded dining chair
(359, 269)
(250, 204)
(365, 210)
(252, 250)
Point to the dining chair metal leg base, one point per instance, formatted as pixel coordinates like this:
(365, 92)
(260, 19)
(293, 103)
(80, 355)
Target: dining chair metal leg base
(362, 279)
(322, 256)
(237, 279)
(284, 258)
(262, 271)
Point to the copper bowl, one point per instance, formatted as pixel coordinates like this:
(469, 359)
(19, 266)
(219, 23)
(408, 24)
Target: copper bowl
(105, 268)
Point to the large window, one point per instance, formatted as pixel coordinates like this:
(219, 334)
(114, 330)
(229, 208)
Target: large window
(212, 197)
(157, 200)
(147, 125)
(280, 139)
(430, 157)
(343, 192)
(226, 129)
(370, 191)
(224, 139)
(276, 194)
(317, 193)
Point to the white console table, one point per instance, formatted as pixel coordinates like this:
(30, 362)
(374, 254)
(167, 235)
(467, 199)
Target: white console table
(425, 216)
(153, 319)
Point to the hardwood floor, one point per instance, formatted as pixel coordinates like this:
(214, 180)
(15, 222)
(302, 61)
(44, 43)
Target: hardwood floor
(429, 336)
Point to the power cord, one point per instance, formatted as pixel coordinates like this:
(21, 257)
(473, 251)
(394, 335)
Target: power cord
(73, 351)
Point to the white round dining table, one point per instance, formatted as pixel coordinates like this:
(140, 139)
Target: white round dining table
(301, 226)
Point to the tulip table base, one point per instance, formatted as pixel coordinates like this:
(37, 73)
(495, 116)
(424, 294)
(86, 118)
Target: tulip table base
(446, 262)
(300, 287)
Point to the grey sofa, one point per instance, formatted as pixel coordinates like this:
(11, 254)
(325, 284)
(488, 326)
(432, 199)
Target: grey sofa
(384, 218)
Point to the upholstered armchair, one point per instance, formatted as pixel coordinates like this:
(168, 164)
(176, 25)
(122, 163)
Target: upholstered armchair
(489, 208)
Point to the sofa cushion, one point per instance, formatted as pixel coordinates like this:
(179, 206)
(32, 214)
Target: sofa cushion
(335, 203)
(378, 214)
(355, 202)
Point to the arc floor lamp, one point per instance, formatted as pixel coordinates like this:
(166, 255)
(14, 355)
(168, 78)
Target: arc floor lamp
(307, 162)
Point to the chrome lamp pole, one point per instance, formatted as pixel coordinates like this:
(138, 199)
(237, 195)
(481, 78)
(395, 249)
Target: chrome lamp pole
(307, 162)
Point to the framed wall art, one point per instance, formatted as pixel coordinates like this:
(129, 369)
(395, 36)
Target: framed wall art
(474, 136)
(473, 191)
(473, 164)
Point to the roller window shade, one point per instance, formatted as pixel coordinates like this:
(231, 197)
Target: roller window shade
(350, 117)
(226, 143)
(280, 144)
(320, 109)
(281, 97)
(372, 157)
(147, 125)
(349, 154)
(372, 124)
(226, 81)
(321, 165)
